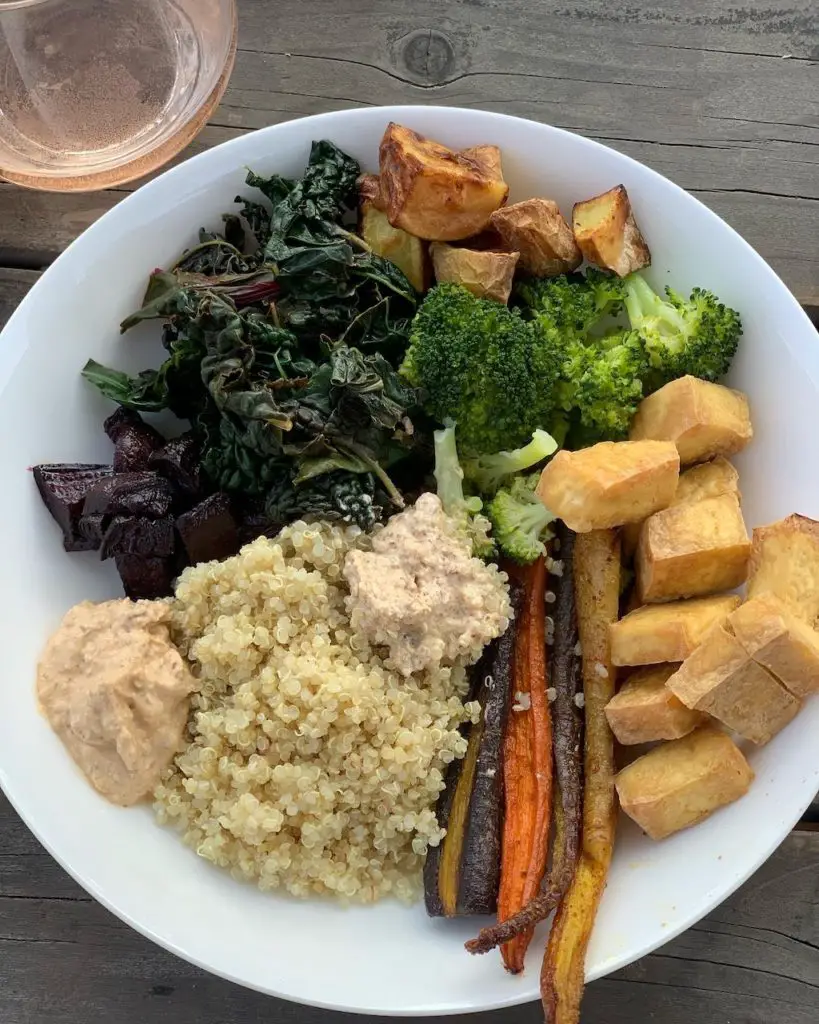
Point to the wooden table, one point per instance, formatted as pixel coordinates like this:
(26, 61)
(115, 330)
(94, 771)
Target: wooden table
(722, 99)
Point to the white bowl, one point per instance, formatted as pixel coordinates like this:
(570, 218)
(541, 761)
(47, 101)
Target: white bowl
(386, 959)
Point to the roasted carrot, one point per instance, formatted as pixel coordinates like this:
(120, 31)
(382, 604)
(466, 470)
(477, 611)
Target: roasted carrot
(527, 769)
(597, 590)
(566, 720)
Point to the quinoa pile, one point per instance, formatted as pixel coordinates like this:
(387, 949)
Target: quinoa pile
(312, 765)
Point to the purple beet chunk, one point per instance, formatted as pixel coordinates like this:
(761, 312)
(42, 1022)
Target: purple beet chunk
(135, 535)
(209, 531)
(254, 521)
(63, 489)
(130, 494)
(144, 579)
(179, 461)
(92, 529)
(134, 440)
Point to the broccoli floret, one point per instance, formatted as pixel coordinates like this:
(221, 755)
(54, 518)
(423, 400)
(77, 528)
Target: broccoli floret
(697, 336)
(487, 472)
(483, 366)
(520, 520)
(449, 477)
(603, 385)
(573, 303)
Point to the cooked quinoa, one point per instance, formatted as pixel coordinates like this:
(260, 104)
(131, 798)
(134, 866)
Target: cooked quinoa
(312, 765)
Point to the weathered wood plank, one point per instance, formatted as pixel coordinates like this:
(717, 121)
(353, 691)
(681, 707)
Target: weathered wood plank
(64, 959)
(700, 92)
(14, 284)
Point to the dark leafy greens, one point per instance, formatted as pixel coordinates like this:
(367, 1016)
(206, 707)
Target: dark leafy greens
(297, 400)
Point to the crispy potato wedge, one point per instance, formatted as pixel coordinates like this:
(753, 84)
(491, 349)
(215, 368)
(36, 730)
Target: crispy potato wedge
(607, 233)
(406, 251)
(644, 710)
(369, 191)
(488, 275)
(610, 483)
(597, 591)
(780, 641)
(487, 157)
(435, 193)
(696, 548)
(703, 419)
(539, 232)
(785, 562)
(721, 679)
(658, 633)
(681, 783)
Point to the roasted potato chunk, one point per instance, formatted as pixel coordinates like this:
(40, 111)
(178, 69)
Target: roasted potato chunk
(369, 191)
(692, 549)
(659, 633)
(539, 232)
(780, 641)
(721, 679)
(785, 562)
(435, 193)
(609, 484)
(488, 275)
(680, 783)
(644, 710)
(607, 233)
(701, 418)
(708, 480)
(406, 251)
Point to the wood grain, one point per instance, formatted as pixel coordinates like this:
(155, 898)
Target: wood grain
(63, 958)
(723, 100)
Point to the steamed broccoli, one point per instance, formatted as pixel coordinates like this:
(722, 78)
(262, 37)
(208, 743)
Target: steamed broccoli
(573, 303)
(449, 478)
(483, 366)
(697, 336)
(487, 472)
(603, 385)
(520, 520)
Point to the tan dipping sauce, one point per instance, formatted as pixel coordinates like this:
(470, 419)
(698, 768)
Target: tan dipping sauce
(115, 690)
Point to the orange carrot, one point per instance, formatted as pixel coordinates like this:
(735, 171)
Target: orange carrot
(527, 770)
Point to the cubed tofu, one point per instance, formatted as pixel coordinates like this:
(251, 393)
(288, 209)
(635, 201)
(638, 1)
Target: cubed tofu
(679, 784)
(486, 274)
(785, 562)
(539, 232)
(780, 641)
(701, 418)
(607, 233)
(610, 483)
(644, 710)
(708, 480)
(692, 549)
(658, 633)
(721, 679)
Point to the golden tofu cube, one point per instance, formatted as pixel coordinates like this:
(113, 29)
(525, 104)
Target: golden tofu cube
(701, 418)
(607, 233)
(644, 710)
(659, 633)
(708, 480)
(781, 642)
(538, 231)
(721, 679)
(681, 783)
(486, 274)
(610, 483)
(692, 549)
(785, 563)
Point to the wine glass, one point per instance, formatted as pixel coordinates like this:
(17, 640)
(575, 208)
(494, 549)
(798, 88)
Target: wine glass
(94, 93)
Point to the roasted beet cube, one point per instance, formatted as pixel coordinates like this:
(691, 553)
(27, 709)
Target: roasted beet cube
(209, 531)
(136, 535)
(134, 440)
(144, 579)
(63, 489)
(92, 529)
(178, 461)
(130, 494)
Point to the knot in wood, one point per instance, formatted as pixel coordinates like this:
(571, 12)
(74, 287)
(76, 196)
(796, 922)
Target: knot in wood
(428, 56)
